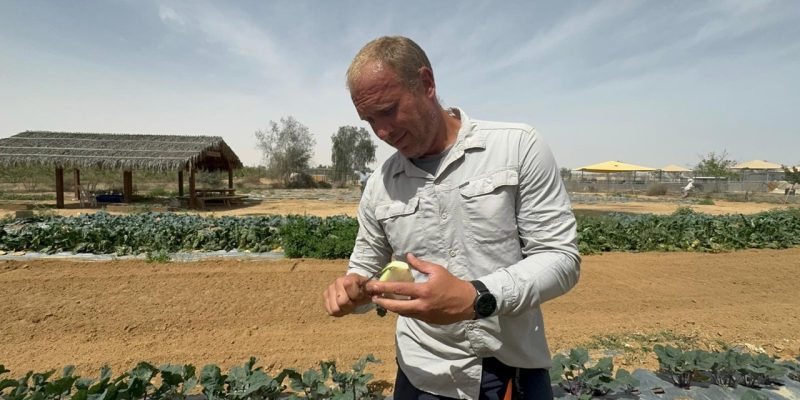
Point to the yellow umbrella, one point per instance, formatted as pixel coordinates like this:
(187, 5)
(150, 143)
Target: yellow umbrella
(614, 166)
(674, 168)
(609, 167)
(757, 164)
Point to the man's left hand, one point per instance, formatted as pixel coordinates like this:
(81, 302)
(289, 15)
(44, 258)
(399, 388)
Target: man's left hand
(443, 299)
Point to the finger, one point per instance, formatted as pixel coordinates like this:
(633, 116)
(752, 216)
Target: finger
(406, 308)
(421, 265)
(341, 298)
(410, 289)
(330, 302)
(354, 286)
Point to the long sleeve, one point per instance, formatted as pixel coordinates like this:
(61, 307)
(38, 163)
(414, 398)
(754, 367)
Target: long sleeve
(547, 229)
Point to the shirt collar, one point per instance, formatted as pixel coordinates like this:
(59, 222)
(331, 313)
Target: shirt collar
(467, 138)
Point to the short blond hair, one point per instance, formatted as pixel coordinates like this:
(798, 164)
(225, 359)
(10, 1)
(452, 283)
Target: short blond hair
(397, 52)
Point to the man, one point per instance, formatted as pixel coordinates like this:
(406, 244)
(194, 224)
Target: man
(688, 188)
(479, 211)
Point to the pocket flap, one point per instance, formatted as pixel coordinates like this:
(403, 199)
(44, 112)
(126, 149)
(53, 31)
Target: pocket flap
(489, 183)
(396, 208)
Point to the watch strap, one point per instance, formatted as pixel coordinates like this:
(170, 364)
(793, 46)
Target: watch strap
(479, 286)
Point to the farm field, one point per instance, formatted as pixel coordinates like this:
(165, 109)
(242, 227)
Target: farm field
(325, 208)
(90, 313)
(328, 202)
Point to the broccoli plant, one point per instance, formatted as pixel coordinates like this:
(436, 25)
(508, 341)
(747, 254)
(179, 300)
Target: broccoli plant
(760, 370)
(246, 383)
(792, 368)
(572, 373)
(352, 385)
(312, 383)
(683, 367)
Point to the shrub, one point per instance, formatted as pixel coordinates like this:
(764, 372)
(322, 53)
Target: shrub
(301, 181)
(658, 189)
(706, 201)
(158, 192)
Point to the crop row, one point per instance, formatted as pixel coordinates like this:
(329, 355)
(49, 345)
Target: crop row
(686, 230)
(333, 237)
(174, 382)
(145, 233)
(574, 372)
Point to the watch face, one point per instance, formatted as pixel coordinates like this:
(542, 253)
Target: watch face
(485, 305)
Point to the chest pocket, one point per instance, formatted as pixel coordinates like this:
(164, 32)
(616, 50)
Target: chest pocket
(400, 222)
(488, 205)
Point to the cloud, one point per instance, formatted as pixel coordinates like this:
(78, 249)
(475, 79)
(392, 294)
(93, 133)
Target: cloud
(170, 17)
(229, 31)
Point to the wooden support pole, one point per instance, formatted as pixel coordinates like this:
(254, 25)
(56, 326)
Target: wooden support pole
(59, 187)
(127, 186)
(180, 183)
(230, 177)
(77, 183)
(192, 193)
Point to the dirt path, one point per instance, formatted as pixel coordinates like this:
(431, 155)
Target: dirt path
(56, 313)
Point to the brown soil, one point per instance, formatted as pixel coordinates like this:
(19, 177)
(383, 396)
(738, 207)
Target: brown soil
(325, 208)
(56, 313)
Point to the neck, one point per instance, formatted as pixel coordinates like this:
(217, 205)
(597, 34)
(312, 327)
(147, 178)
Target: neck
(448, 131)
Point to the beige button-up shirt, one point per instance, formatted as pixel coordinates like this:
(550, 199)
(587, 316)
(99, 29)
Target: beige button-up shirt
(496, 211)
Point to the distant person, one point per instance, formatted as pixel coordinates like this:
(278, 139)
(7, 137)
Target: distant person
(363, 176)
(479, 211)
(688, 188)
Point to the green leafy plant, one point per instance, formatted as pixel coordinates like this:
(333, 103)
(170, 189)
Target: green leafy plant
(683, 367)
(578, 378)
(347, 385)
(177, 381)
(759, 370)
(792, 368)
(159, 256)
(706, 201)
(245, 383)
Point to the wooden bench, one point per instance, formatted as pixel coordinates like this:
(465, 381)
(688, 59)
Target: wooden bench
(224, 200)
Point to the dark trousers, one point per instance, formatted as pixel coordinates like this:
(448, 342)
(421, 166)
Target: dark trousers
(529, 384)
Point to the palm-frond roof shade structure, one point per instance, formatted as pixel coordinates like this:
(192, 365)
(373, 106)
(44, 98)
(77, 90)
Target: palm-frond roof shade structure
(126, 152)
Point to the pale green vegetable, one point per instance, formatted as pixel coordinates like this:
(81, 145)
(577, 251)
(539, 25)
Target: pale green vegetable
(396, 271)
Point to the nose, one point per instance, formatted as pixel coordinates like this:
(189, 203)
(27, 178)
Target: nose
(383, 130)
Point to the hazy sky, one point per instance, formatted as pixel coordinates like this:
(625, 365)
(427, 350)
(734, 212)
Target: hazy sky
(645, 82)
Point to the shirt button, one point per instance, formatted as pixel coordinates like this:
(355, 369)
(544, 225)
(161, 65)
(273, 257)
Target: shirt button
(452, 253)
(444, 215)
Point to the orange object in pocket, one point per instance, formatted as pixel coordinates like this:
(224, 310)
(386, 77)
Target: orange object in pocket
(509, 389)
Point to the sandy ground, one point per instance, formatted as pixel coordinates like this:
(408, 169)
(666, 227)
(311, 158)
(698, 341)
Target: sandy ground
(91, 313)
(325, 208)
(56, 313)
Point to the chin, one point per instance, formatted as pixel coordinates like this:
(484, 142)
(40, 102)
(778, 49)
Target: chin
(410, 153)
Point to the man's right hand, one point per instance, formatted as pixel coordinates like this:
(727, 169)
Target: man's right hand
(345, 294)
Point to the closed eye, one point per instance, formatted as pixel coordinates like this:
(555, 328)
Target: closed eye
(388, 111)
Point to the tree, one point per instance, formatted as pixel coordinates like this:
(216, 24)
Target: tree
(715, 165)
(286, 147)
(352, 151)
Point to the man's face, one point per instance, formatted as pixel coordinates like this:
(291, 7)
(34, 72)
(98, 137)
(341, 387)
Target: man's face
(403, 118)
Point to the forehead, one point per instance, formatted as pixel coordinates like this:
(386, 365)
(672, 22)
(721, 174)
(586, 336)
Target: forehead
(375, 84)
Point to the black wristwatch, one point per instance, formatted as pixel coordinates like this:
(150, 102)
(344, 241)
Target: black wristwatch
(485, 304)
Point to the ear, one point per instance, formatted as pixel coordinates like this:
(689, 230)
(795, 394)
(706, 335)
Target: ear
(428, 83)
